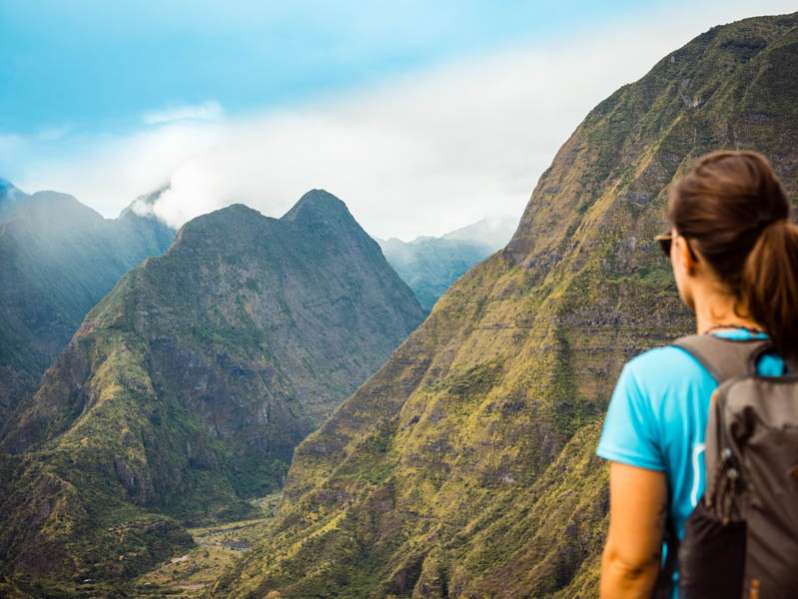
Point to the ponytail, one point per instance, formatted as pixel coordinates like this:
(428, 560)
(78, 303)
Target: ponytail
(769, 285)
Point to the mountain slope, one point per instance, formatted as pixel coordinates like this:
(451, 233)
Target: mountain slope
(57, 259)
(429, 265)
(187, 387)
(465, 466)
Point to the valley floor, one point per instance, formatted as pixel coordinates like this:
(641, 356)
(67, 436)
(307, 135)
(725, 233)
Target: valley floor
(217, 548)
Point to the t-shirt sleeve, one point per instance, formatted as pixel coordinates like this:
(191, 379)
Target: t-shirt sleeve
(630, 434)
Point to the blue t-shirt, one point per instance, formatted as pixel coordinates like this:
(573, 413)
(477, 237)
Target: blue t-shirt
(658, 415)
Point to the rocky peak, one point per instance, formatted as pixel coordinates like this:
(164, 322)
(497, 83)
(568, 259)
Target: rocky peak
(232, 229)
(319, 207)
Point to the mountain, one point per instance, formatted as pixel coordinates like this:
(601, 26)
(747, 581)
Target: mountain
(58, 258)
(431, 264)
(491, 232)
(185, 390)
(465, 466)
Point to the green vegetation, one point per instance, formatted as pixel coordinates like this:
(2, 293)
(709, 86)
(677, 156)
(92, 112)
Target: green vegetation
(184, 392)
(465, 467)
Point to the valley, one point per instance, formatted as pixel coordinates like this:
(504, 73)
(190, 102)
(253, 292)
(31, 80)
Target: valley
(255, 407)
(217, 549)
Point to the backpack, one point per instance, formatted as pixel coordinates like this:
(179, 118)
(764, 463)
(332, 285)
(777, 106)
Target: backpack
(741, 540)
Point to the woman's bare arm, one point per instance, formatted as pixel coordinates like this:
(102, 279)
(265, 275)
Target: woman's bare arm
(638, 500)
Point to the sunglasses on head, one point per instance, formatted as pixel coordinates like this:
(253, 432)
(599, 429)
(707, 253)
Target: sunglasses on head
(665, 241)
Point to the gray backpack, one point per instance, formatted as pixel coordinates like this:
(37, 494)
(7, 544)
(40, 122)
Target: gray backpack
(742, 538)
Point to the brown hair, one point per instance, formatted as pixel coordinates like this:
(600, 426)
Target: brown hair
(733, 208)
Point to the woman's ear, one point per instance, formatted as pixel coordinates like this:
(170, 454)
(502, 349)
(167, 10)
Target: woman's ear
(686, 254)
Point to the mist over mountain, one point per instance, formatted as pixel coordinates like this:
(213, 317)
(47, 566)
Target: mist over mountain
(58, 258)
(183, 393)
(431, 264)
(491, 232)
(9, 196)
(465, 466)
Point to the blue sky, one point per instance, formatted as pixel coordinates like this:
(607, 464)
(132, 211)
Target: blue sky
(422, 116)
(98, 65)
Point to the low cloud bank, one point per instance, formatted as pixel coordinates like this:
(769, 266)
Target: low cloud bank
(422, 154)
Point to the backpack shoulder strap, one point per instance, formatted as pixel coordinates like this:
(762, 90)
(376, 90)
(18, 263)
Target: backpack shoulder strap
(723, 358)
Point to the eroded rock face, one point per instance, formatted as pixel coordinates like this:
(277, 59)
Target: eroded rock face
(465, 467)
(185, 389)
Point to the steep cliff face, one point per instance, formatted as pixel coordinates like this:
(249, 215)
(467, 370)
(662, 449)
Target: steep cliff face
(464, 467)
(58, 258)
(185, 390)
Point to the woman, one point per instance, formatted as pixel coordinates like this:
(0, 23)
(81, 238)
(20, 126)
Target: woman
(734, 255)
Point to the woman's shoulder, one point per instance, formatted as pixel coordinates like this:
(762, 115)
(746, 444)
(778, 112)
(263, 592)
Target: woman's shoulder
(647, 397)
(665, 367)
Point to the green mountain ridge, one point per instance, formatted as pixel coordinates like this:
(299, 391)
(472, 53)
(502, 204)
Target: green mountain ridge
(58, 258)
(183, 393)
(465, 466)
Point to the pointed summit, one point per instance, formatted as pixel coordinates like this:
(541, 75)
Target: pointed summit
(319, 207)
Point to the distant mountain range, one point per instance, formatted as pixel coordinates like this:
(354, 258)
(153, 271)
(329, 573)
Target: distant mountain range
(185, 390)
(431, 264)
(58, 258)
(465, 467)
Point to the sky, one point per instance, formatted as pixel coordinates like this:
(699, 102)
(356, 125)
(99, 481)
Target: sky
(422, 116)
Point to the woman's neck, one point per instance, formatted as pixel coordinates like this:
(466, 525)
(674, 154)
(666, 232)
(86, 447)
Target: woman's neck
(717, 312)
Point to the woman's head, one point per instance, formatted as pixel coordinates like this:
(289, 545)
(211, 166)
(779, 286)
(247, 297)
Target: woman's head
(732, 215)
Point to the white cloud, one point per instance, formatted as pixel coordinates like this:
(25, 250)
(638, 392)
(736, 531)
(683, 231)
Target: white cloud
(422, 154)
(207, 111)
